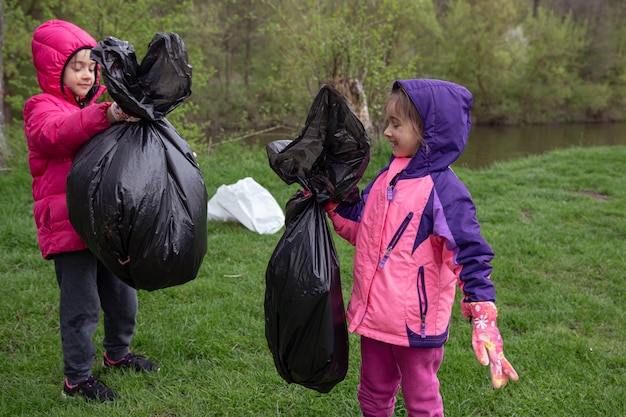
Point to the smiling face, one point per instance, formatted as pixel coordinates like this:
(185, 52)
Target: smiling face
(403, 130)
(80, 73)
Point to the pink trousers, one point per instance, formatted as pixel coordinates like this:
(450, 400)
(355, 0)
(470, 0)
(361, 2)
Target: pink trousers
(385, 366)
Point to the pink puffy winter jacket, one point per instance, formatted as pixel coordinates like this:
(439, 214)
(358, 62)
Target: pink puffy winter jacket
(55, 128)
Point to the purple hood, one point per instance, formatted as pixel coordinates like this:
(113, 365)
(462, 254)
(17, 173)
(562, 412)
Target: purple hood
(445, 109)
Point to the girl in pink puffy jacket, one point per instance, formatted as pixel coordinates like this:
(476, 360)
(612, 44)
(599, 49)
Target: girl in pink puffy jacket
(56, 123)
(416, 239)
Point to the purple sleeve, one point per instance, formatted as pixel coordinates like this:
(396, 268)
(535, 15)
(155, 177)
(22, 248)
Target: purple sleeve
(454, 216)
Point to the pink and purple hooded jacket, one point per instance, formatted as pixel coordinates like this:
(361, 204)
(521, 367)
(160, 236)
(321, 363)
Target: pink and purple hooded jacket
(415, 231)
(55, 127)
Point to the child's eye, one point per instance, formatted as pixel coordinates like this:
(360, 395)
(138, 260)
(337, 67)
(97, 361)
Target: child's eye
(79, 68)
(393, 122)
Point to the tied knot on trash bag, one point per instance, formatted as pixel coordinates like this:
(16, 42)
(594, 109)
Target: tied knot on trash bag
(329, 155)
(153, 88)
(305, 323)
(135, 193)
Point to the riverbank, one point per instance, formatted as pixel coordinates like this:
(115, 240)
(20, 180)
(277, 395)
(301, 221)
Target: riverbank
(557, 223)
(493, 144)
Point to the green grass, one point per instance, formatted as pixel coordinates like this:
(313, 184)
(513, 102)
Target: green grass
(557, 223)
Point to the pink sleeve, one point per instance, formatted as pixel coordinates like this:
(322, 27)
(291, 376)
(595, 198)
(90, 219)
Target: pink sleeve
(53, 129)
(345, 228)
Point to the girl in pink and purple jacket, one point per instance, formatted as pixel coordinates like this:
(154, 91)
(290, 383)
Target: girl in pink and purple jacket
(416, 238)
(56, 123)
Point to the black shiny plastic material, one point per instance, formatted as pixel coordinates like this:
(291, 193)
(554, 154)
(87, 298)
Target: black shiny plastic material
(135, 193)
(330, 154)
(153, 88)
(305, 323)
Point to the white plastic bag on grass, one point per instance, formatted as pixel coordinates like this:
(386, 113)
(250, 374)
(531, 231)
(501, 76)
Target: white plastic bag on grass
(248, 203)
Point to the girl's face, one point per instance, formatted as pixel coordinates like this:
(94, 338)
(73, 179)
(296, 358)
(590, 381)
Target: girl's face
(402, 132)
(80, 73)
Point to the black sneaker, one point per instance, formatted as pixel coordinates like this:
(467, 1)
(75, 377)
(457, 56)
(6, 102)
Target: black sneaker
(131, 361)
(90, 389)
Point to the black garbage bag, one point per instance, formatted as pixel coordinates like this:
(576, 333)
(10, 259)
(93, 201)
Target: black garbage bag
(135, 193)
(305, 323)
(304, 312)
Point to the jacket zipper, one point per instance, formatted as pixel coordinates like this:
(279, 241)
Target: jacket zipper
(423, 300)
(394, 240)
(392, 185)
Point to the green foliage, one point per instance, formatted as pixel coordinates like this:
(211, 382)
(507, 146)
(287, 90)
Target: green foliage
(552, 63)
(182, 119)
(590, 100)
(228, 37)
(19, 73)
(135, 21)
(320, 41)
(520, 67)
(259, 63)
(480, 46)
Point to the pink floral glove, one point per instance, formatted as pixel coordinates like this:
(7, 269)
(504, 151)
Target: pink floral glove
(487, 342)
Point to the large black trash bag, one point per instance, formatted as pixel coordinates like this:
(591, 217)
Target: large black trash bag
(305, 323)
(135, 193)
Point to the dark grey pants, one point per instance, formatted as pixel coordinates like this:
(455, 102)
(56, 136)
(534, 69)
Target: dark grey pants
(87, 286)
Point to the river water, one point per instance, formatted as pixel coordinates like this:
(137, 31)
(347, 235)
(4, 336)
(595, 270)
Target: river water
(488, 144)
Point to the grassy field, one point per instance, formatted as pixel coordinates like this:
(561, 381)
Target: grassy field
(557, 223)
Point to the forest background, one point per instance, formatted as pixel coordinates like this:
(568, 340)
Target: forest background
(257, 64)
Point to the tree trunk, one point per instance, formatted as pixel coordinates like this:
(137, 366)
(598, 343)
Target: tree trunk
(352, 90)
(535, 7)
(4, 146)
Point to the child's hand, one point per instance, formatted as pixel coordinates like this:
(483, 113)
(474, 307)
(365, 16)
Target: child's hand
(115, 114)
(330, 206)
(487, 342)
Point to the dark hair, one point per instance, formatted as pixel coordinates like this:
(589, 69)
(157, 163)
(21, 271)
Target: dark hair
(402, 103)
(94, 89)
